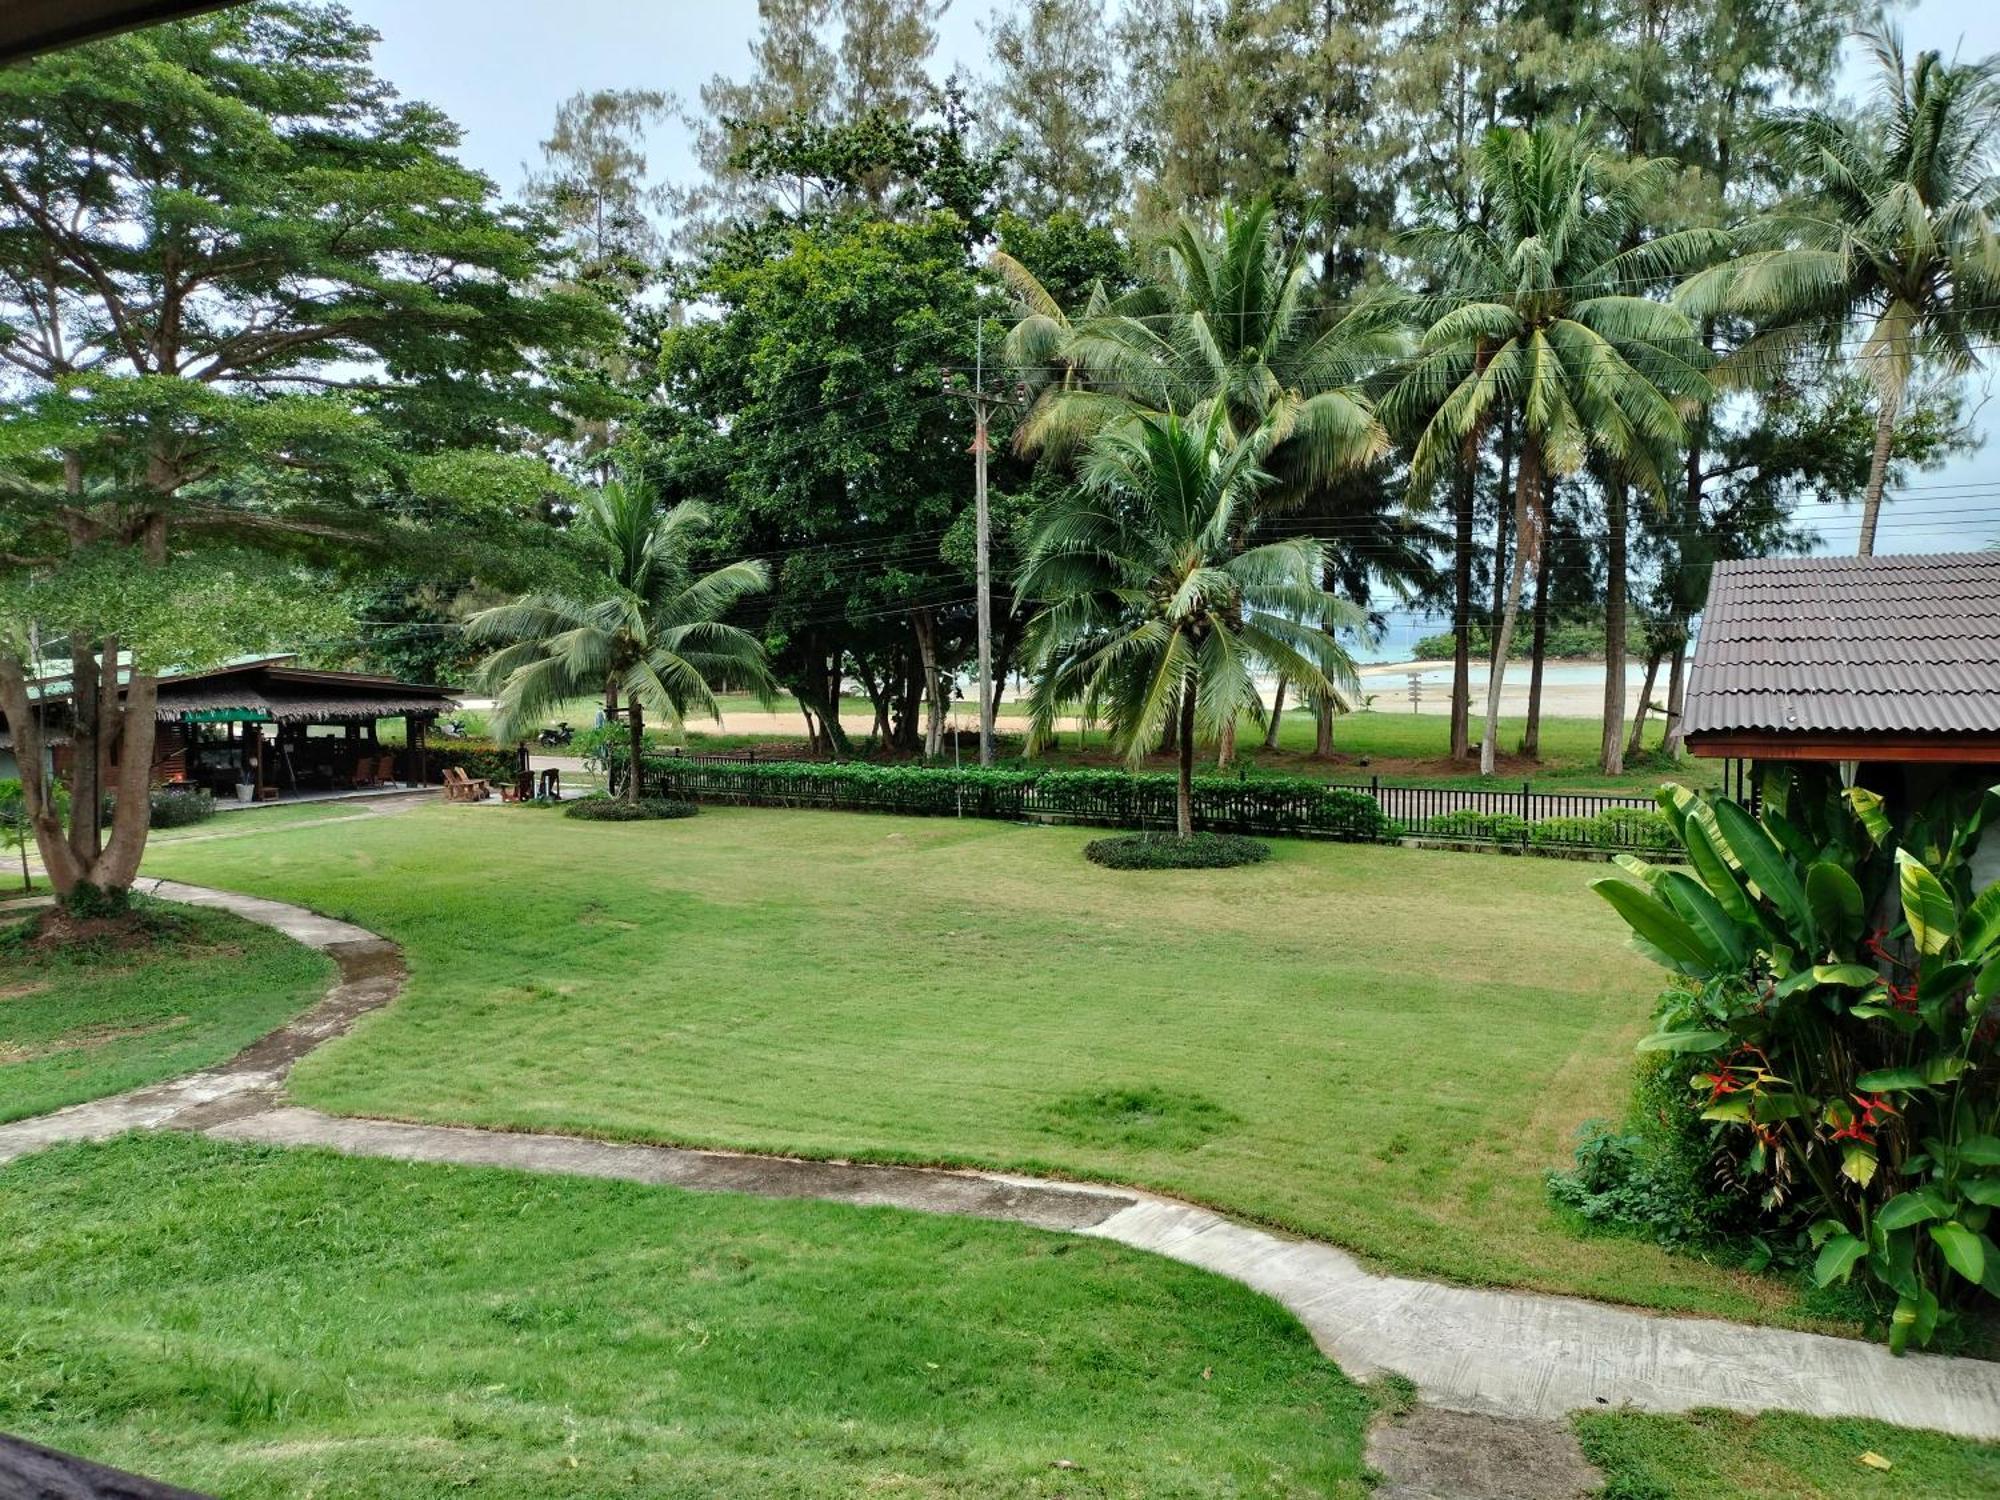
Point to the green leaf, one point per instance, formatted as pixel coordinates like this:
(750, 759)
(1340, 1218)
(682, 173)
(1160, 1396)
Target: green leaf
(1761, 859)
(1867, 807)
(1703, 912)
(1905, 1209)
(1963, 1250)
(1699, 839)
(1927, 905)
(1857, 1163)
(1690, 1039)
(1848, 976)
(1660, 930)
(1837, 1257)
(1981, 925)
(1735, 1110)
(1835, 899)
(1980, 1150)
(1981, 1190)
(1943, 1068)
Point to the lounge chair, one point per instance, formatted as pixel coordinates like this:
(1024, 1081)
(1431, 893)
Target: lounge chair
(459, 787)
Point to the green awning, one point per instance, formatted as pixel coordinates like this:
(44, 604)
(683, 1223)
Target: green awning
(225, 716)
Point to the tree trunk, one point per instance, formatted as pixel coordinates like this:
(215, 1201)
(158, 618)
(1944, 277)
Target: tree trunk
(88, 750)
(925, 626)
(1676, 686)
(1502, 518)
(1637, 743)
(1225, 750)
(1878, 469)
(1461, 618)
(1323, 711)
(1277, 714)
(635, 749)
(1531, 738)
(1184, 791)
(1526, 478)
(1611, 755)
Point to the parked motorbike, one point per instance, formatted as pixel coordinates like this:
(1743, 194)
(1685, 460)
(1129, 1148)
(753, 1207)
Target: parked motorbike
(452, 729)
(558, 736)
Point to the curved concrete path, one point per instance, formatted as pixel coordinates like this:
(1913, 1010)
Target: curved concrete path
(1505, 1354)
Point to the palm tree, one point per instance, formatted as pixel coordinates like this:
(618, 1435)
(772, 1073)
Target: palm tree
(1897, 227)
(645, 626)
(1225, 323)
(1537, 321)
(1153, 606)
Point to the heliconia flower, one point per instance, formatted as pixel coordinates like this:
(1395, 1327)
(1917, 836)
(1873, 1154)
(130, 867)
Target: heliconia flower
(1875, 1110)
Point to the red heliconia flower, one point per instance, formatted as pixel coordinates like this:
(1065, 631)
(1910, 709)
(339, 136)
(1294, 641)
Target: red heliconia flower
(1875, 1110)
(1853, 1130)
(1720, 1084)
(1904, 996)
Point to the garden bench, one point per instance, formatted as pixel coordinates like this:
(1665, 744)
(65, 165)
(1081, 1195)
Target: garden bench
(459, 787)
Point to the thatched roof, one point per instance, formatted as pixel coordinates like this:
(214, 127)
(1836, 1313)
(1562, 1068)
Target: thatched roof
(287, 709)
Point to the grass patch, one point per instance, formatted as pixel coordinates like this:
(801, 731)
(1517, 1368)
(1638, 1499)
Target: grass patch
(1165, 851)
(1145, 1119)
(81, 1023)
(1406, 1042)
(618, 810)
(263, 1323)
(1779, 1456)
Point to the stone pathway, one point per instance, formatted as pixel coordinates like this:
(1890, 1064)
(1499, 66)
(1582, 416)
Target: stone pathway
(1513, 1356)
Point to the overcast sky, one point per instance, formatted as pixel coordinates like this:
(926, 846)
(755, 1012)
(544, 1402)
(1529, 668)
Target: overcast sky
(500, 68)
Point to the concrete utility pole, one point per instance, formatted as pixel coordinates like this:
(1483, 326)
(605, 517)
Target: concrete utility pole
(983, 401)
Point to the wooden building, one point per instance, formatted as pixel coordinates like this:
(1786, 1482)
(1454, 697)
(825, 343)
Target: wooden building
(272, 727)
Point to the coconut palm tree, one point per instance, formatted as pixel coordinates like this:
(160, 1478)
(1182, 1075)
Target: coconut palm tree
(645, 625)
(1157, 604)
(1224, 323)
(1537, 319)
(1896, 228)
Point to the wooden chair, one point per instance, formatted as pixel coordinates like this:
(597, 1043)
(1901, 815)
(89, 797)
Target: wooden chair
(459, 787)
(385, 770)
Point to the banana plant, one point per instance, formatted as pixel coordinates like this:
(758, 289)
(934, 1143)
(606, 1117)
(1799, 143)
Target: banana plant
(1835, 974)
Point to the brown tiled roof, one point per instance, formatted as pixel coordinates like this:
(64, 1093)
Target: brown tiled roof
(1850, 645)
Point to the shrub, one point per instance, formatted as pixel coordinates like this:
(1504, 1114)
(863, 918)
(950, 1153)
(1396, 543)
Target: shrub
(1468, 823)
(483, 760)
(1665, 1175)
(1856, 1068)
(1119, 799)
(617, 810)
(1636, 828)
(1166, 851)
(177, 809)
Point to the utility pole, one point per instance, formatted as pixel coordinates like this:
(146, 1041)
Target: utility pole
(983, 401)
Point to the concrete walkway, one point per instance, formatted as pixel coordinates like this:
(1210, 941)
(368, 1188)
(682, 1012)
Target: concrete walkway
(1503, 1354)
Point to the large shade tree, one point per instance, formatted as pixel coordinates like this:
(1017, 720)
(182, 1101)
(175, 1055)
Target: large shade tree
(1537, 320)
(1895, 231)
(1156, 603)
(244, 292)
(641, 626)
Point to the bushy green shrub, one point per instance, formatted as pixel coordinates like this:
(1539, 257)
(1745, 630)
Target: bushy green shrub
(1834, 973)
(1666, 1174)
(617, 810)
(1166, 851)
(1289, 805)
(1640, 829)
(1468, 823)
(177, 808)
(483, 760)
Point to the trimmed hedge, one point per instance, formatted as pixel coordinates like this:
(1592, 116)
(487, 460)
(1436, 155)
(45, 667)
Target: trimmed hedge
(1640, 829)
(1485, 827)
(617, 810)
(1116, 799)
(483, 760)
(178, 809)
(1167, 851)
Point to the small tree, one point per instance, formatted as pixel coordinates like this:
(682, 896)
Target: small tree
(1152, 608)
(643, 625)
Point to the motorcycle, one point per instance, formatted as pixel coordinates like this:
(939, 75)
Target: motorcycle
(558, 736)
(452, 729)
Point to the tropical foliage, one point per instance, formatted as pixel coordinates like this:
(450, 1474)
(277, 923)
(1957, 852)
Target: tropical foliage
(1896, 231)
(1157, 607)
(646, 629)
(1834, 974)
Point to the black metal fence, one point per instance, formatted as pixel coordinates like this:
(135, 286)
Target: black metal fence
(1523, 820)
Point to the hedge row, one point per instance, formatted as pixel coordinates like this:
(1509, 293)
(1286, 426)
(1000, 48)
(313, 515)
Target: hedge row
(1640, 829)
(1113, 799)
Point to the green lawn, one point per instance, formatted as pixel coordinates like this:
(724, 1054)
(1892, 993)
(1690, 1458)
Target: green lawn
(82, 1024)
(1384, 1047)
(265, 1323)
(1778, 1456)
